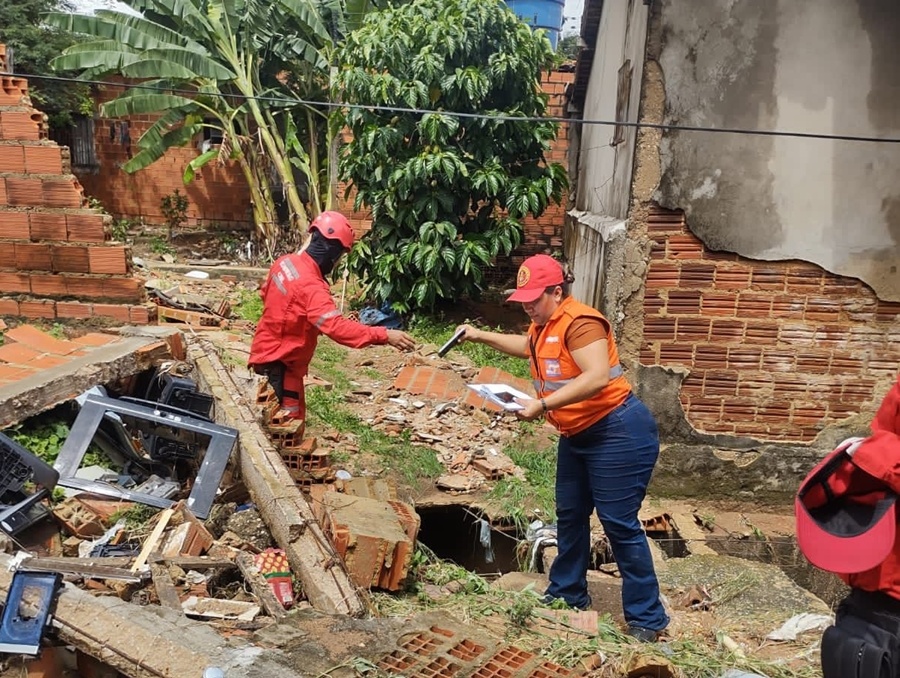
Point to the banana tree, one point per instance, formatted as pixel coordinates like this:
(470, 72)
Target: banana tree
(216, 63)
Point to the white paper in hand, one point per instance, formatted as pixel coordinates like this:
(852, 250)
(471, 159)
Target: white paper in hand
(501, 394)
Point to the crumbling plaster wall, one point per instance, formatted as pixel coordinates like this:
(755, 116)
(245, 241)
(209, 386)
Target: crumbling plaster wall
(819, 66)
(753, 368)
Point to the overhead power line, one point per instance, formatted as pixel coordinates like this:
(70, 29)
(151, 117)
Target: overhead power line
(491, 116)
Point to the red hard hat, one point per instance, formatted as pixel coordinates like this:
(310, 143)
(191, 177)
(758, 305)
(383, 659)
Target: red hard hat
(334, 226)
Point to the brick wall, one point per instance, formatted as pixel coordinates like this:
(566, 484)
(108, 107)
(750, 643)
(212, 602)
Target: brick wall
(217, 195)
(776, 350)
(55, 257)
(540, 234)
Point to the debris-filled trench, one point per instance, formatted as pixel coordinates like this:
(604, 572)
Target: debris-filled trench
(179, 527)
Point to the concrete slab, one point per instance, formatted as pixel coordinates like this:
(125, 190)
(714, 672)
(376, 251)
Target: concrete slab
(37, 390)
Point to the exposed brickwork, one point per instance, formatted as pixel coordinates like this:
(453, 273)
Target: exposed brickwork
(217, 195)
(776, 350)
(55, 258)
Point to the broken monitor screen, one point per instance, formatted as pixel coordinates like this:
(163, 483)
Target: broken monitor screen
(157, 453)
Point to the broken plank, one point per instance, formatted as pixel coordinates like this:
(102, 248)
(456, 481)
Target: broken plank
(197, 563)
(153, 539)
(122, 358)
(281, 504)
(165, 587)
(82, 567)
(260, 587)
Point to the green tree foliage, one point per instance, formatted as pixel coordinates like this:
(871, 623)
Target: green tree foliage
(34, 44)
(447, 193)
(569, 47)
(216, 64)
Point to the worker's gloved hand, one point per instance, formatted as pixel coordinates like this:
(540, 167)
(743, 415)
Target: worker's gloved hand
(471, 334)
(401, 340)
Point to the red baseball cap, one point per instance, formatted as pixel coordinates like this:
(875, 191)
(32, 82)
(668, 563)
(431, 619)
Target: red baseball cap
(846, 518)
(536, 274)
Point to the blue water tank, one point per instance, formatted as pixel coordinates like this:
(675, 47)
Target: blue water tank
(546, 14)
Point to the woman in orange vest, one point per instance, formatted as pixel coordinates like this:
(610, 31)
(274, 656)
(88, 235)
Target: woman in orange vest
(608, 441)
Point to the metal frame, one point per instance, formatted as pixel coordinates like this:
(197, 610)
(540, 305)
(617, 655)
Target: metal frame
(16, 517)
(221, 442)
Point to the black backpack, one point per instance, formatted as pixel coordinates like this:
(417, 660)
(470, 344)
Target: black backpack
(864, 641)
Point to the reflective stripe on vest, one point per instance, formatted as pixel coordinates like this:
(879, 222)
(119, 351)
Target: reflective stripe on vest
(551, 386)
(327, 316)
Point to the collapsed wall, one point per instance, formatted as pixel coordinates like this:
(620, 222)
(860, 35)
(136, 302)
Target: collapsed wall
(57, 260)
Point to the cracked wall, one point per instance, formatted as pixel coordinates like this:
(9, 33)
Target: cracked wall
(752, 367)
(816, 66)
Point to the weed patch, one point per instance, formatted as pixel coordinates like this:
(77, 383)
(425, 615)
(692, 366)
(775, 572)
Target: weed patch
(249, 306)
(397, 454)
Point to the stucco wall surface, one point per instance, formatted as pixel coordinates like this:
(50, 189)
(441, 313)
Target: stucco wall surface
(819, 66)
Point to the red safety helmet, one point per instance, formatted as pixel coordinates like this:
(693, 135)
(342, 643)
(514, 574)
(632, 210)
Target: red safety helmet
(334, 226)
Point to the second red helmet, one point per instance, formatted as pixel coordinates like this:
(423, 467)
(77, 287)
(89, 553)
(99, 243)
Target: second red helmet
(334, 226)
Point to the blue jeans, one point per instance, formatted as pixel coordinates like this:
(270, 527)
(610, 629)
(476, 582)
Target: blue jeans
(607, 467)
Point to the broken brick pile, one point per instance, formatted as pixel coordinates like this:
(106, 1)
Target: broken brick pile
(372, 532)
(56, 259)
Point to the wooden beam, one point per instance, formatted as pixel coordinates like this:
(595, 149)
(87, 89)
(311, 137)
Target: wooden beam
(281, 504)
(195, 562)
(84, 567)
(165, 587)
(150, 544)
(260, 587)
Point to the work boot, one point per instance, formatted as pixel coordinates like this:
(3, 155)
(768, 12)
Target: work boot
(642, 634)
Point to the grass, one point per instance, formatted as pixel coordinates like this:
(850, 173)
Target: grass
(437, 332)
(249, 306)
(397, 454)
(524, 617)
(534, 497)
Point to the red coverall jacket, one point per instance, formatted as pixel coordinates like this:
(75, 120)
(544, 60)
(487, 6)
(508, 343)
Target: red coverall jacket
(879, 456)
(297, 308)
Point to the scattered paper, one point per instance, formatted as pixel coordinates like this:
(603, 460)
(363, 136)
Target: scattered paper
(501, 394)
(800, 623)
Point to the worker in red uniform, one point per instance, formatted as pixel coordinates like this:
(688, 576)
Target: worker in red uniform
(846, 523)
(298, 307)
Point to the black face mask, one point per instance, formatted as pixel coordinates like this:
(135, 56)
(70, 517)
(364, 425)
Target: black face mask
(324, 251)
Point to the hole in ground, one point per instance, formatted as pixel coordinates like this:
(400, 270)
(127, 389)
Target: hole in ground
(671, 542)
(454, 532)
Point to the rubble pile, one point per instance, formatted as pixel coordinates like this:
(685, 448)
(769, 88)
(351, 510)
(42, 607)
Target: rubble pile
(434, 408)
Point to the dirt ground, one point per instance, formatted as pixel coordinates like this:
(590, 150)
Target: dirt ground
(763, 597)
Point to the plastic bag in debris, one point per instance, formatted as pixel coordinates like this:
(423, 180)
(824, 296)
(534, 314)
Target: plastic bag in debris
(383, 317)
(800, 623)
(485, 539)
(737, 673)
(540, 536)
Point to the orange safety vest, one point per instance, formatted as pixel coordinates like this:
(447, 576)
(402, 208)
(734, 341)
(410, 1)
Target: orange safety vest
(552, 367)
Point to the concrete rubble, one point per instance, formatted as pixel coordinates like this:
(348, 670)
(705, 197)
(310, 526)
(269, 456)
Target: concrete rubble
(188, 592)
